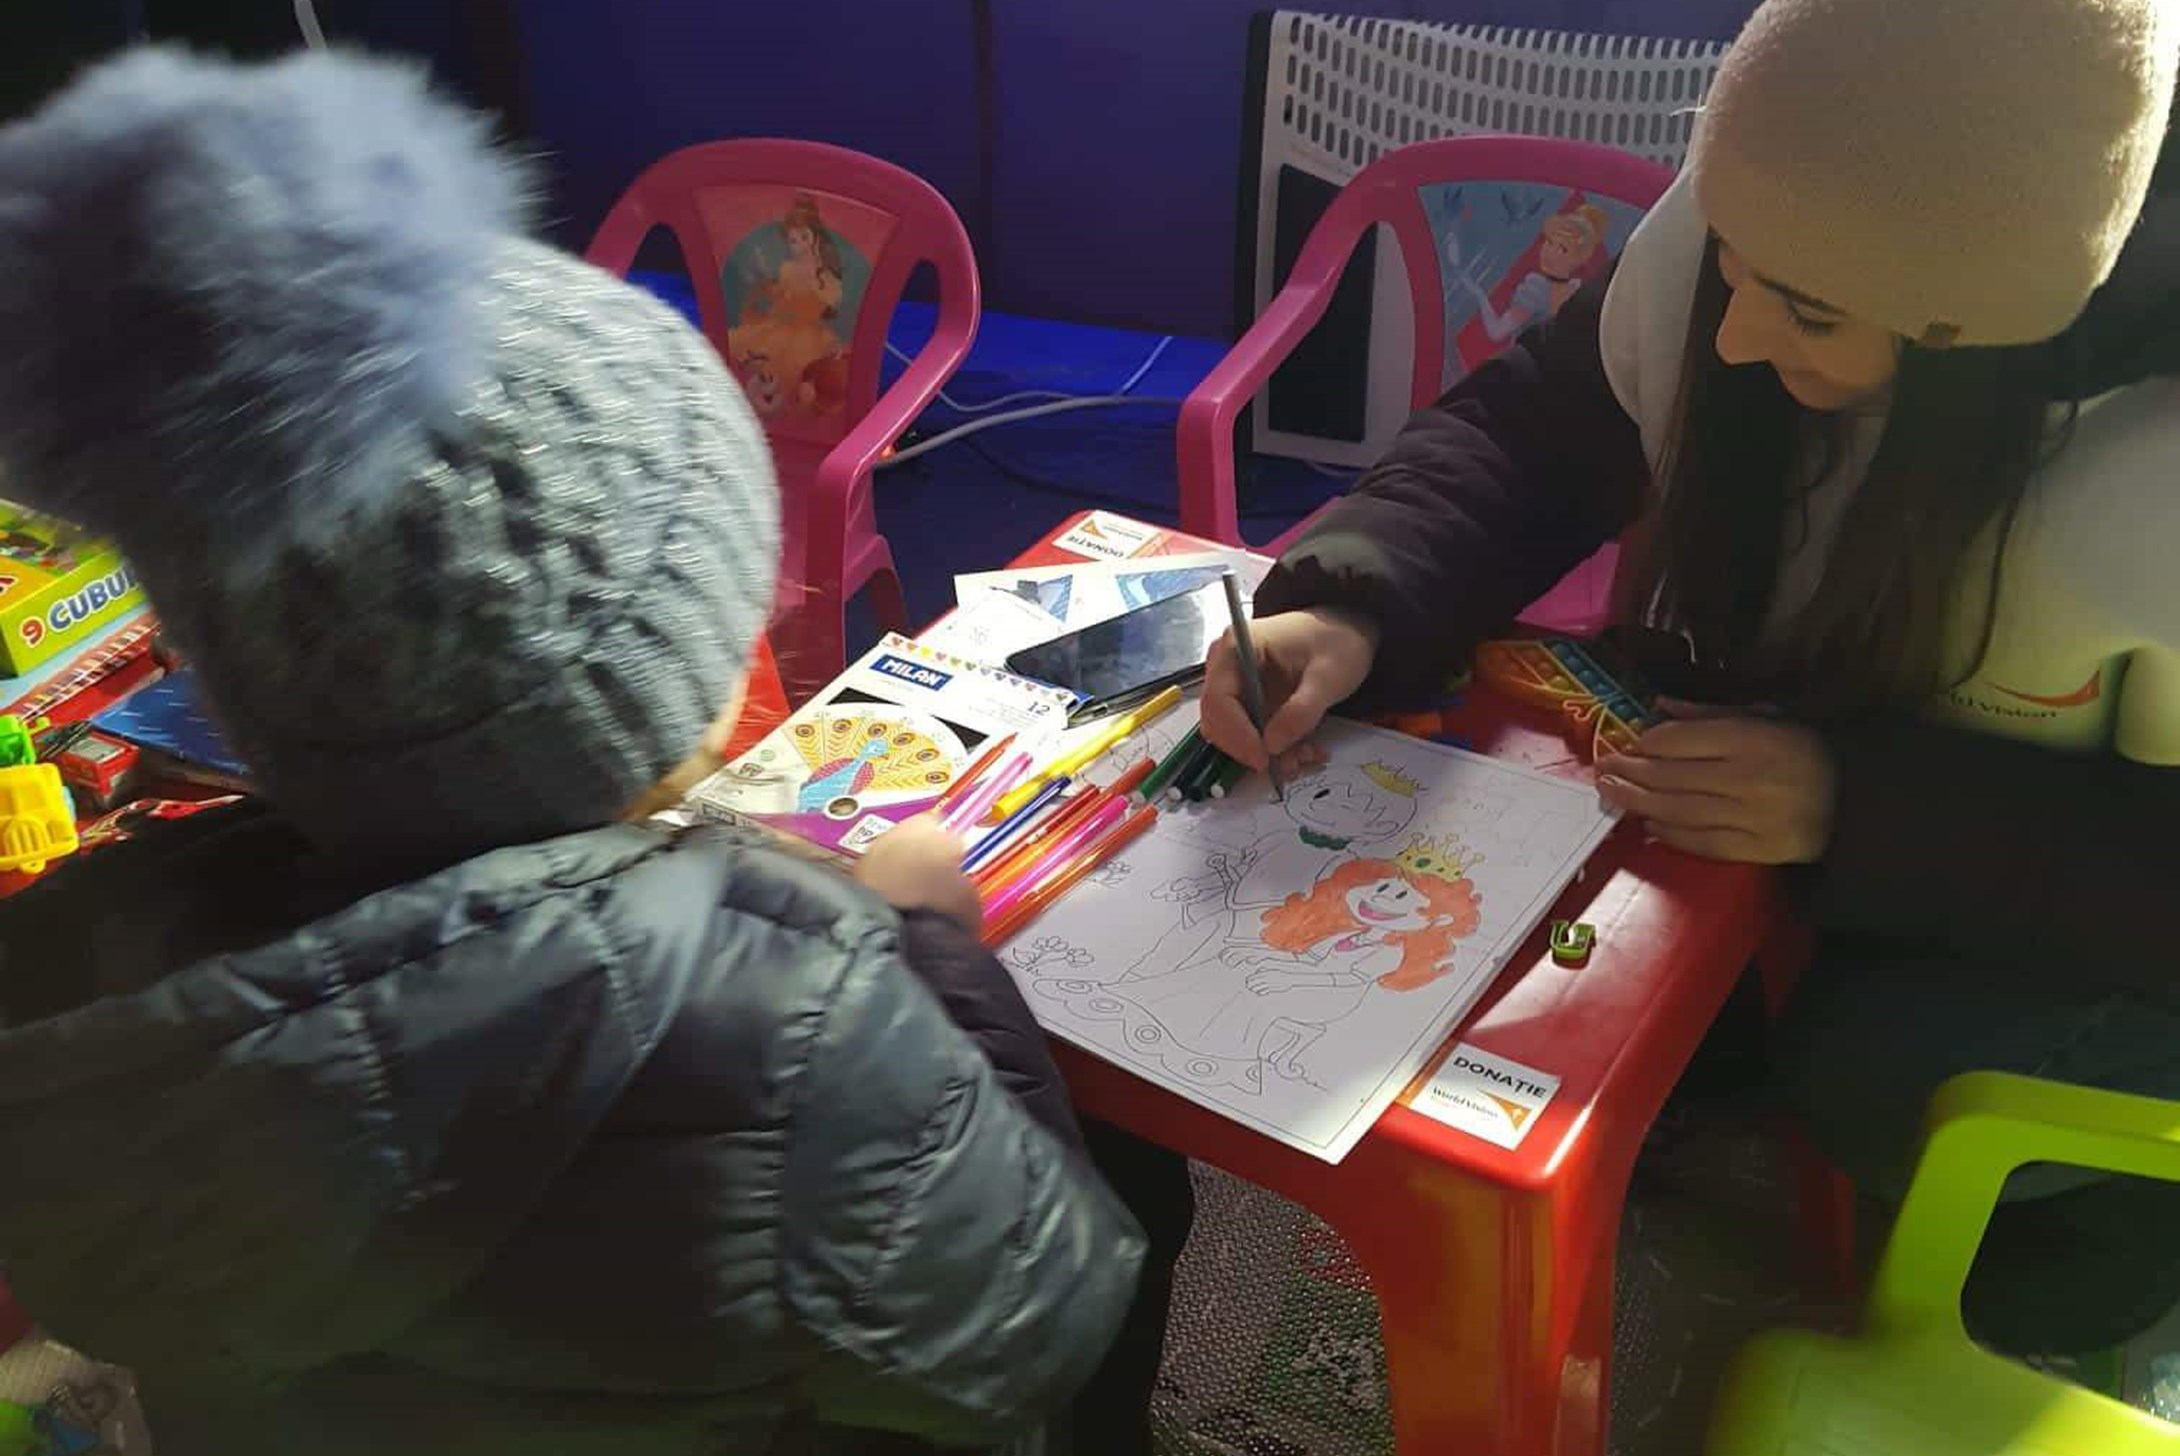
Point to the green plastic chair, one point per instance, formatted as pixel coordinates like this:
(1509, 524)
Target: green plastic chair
(19, 1431)
(1913, 1383)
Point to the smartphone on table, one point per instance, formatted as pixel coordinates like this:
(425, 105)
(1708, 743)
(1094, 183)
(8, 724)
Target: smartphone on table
(1124, 661)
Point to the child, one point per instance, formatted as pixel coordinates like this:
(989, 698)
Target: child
(1882, 396)
(422, 1106)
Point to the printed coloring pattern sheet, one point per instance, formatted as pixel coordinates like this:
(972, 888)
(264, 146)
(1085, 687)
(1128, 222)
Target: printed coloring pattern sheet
(1293, 965)
(1085, 592)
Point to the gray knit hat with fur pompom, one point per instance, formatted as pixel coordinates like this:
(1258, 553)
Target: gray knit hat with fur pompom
(468, 540)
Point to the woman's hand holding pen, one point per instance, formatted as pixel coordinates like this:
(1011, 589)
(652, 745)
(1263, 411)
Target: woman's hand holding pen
(1312, 661)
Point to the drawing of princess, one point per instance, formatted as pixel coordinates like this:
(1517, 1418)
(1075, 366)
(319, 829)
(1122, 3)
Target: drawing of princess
(788, 338)
(811, 251)
(1384, 923)
(1334, 809)
(1566, 245)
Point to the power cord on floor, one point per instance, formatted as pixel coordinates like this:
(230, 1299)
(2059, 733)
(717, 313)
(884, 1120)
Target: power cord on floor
(960, 408)
(1052, 402)
(306, 20)
(1037, 411)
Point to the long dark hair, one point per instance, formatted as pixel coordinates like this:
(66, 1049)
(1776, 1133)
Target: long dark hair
(1930, 520)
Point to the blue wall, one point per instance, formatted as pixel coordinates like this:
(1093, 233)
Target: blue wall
(1105, 188)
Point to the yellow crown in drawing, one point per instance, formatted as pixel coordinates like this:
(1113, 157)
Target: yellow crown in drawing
(1443, 859)
(1392, 780)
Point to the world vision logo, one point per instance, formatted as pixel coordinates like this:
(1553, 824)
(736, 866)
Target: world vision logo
(2036, 706)
(1486, 1107)
(2081, 697)
(1515, 1112)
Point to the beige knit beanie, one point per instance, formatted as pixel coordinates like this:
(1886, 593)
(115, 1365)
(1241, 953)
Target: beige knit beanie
(1959, 171)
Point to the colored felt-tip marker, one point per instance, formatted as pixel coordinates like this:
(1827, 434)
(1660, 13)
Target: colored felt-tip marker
(1097, 746)
(1197, 786)
(968, 777)
(1019, 857)
(1010, 923)
(996, 839)
(971, 808)
(1022, 856)
(1154, 787)
(1132, 780)
(1200, 753)
(1092, 827)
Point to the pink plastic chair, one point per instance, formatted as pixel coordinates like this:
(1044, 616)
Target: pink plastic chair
(799, 252)
(1390, 191)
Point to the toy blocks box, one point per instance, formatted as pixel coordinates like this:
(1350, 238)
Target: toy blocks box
(58, 586)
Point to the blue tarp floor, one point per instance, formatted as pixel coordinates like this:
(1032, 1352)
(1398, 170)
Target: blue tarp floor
(975, 503)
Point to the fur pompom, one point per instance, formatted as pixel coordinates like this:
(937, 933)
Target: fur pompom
(226, 290)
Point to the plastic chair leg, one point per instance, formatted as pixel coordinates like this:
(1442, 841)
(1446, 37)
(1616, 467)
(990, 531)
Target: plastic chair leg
(810, 645)
(1828, 1218)
(887, 601)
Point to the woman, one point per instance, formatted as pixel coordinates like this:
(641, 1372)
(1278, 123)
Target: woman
(1881, 394)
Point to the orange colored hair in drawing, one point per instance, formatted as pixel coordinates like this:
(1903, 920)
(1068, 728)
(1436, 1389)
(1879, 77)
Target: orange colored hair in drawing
(1307, 920)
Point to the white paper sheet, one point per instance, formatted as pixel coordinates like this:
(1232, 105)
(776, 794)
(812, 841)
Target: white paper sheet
(1294, 965)
(1094, 591)
(1487, 1096)
(989, 625)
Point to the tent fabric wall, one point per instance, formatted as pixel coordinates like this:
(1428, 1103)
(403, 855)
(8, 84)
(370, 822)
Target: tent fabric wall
(1119, 141)
(1104, 188)
(610, 87)
(1101, 186)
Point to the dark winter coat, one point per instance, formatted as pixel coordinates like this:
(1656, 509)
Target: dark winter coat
(632, 1142)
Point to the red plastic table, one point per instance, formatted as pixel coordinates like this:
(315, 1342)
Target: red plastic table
(1493, 1269)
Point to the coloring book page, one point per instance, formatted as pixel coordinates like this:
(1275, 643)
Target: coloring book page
(1293, 965)
(879, 744)
(990, 626)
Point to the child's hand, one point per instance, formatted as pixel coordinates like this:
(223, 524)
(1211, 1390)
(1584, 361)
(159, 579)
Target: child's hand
(917, 866)
(1312, 662)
